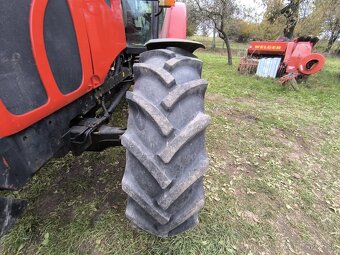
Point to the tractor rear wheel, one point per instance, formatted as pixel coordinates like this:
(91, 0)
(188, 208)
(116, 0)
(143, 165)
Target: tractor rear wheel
(165, 142)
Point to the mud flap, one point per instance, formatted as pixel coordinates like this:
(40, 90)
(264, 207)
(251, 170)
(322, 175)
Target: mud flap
(10, 211)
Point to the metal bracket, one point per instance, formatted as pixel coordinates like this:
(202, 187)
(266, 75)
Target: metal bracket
(106, 137)
(80, 135)
(113, 81)
(92, 135)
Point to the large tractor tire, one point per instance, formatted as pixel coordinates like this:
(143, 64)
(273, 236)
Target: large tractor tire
(165, 142)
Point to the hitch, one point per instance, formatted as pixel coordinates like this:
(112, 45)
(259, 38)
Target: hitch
(87, 136)
(106, 137)
(91, 134)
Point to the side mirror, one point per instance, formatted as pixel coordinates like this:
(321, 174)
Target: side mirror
(166, 3)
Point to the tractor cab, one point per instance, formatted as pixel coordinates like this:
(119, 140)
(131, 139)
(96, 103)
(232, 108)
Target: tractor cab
(143, 20)
(138, 21)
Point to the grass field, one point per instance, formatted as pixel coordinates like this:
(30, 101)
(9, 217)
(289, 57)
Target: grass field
(273, 185)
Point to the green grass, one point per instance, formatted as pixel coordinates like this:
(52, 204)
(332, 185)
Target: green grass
(272, 188)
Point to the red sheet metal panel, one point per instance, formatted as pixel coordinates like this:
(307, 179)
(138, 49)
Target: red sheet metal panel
(99, 30)
(270, 47)
(175, 22)
(106, 32)
(301, 50)
(290, 48)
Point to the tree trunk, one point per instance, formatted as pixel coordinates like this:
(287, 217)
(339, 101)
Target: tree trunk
(291, 12)
(229, 53)
(329, 45)
(334, 36)
(214, 40)
(289, 29)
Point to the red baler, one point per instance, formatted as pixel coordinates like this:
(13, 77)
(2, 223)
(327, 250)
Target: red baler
(294, 59)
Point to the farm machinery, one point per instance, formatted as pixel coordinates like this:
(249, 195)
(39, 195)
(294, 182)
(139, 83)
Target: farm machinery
(64, 67)
(291, 61)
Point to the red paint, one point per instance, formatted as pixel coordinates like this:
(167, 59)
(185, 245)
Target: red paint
(175, 22)
(300, 57)
(301, 50)
(316, 67)
(101, 37)
(290, 48)
(106, 34)
(267, 48)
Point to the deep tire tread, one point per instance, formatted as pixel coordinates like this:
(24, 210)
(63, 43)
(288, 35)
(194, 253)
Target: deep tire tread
(194, 127)
(177, 62)
(155, 114)
(196, 86)
(145, 157)
(169, 203)
(141, 70)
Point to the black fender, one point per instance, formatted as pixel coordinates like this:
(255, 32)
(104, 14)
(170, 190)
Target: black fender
(163, 43)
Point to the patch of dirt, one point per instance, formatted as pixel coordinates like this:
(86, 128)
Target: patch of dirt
(89, 178)
(249, 99)
(213, 97)
(250, 216)
(231, 113)
(297, 144)
(290, 240)
(295, 232)
(238, 115)
(241, 169)
(226, 164)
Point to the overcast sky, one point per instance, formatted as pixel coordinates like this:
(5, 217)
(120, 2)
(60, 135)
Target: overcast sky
(256, 6)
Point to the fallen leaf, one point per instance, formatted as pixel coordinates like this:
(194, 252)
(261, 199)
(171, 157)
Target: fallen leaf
(224, 190)
(204, 243)
(290, 247)
(46, 239)
(217, 199)
(250, 192)
(296, 176)
(251, 216)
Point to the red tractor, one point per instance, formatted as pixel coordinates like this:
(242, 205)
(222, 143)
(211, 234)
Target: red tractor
(284, 59)
(64, 67)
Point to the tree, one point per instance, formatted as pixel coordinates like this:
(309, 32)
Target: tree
(219, 12)
(323, 18)
(310, 22)
(193, 19)
(330, 11)
(290, 11)
(241, 30)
